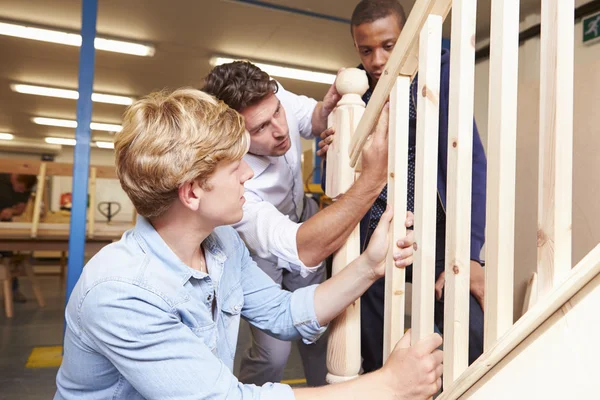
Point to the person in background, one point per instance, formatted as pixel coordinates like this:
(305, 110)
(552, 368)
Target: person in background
(15, 191)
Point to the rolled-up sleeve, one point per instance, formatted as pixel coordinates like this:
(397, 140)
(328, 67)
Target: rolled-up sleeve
(269, 233)
(143, 337)
(284, 315)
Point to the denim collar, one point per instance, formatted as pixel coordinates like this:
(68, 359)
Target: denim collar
(153, 244)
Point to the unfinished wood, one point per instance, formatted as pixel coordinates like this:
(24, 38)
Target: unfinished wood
(331, 160)
(41, 185)
(584, 272)
(92, 200)
(393, 314)
(6, 286)
(343, 350)
(458, 198)
(351, 83)
(530, 294)
(32, 167)
(423, 296)
(501, 169)
(343, 346)
(51, 231)
(556, 144)
(402, 61)
(37, 290)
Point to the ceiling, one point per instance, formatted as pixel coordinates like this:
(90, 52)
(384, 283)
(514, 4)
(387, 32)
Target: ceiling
(186, 34)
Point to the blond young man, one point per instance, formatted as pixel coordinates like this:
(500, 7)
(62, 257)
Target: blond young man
(156, 314)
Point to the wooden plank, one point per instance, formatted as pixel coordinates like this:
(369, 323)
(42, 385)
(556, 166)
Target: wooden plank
(393, 322)
(92, 206)
(402, 61)
(458, 198)
(32, 167)
(423, 296)
(530, 294)
(586, 270)
(556, 144)
(501, 169)
(41, 185)
(555, 361)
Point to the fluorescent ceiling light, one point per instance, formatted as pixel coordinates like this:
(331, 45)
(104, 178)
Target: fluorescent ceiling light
(6, 136)
(67, 123)
(65, 141)
(285, 72)
(96, 126)
(105, 145)
(73, 39)
(69, 94)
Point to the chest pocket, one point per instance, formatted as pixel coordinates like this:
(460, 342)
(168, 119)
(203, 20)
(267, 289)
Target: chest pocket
(231, 308)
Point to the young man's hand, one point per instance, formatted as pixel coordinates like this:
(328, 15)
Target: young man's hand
(375, 151)
(326, 140)
(377, 250)
(331, 97)
(414, 372)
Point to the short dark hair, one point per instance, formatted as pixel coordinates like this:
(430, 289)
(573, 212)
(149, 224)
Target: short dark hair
(371, 10)
(239, 84)
(28, 180)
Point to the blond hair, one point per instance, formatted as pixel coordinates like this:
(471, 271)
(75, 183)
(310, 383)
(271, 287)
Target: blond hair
(170, 138)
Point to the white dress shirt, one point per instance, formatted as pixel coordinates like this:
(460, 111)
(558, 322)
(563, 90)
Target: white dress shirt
(275, 195)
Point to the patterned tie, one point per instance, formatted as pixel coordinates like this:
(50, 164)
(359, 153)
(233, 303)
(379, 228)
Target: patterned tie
(381, 202)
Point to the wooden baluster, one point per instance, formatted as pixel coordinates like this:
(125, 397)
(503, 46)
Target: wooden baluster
(393, 322)
(501, 169)
(423, 296)
(343, 351)
(458, 198)
(556, 144)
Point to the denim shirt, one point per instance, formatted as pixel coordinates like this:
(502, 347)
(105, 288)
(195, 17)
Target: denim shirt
(143, 325)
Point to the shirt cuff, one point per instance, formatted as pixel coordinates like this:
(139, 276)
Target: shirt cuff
(276, 391)
(302, 306)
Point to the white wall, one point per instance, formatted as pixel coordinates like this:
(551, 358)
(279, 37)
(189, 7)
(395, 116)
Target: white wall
(586, 157)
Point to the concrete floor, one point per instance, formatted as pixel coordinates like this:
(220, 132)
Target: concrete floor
(32, 326)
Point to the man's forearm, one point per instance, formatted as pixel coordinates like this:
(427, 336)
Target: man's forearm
(368, 386)
(335, 295)
(326, 231)
(319, 119)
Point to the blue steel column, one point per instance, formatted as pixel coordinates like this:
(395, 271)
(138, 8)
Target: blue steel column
(81, 162)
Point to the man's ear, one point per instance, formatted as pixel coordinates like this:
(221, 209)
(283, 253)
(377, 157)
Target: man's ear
(190, 195)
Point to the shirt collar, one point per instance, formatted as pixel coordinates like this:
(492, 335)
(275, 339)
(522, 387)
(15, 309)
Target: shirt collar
(259, 163)
(153, 244)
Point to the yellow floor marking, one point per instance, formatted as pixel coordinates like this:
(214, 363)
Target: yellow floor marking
(45, 357)
(294, 381)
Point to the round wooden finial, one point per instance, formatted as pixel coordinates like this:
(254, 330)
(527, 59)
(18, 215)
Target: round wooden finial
(352, 80)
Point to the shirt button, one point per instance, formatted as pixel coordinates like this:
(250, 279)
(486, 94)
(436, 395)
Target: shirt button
(209, 298)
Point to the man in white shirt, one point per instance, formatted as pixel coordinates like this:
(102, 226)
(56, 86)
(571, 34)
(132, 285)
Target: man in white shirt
(286, 236)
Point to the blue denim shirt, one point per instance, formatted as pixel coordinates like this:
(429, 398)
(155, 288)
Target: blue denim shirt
(142, 324)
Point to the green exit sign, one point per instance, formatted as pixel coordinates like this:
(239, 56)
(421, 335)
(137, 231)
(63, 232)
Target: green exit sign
(591, 28)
